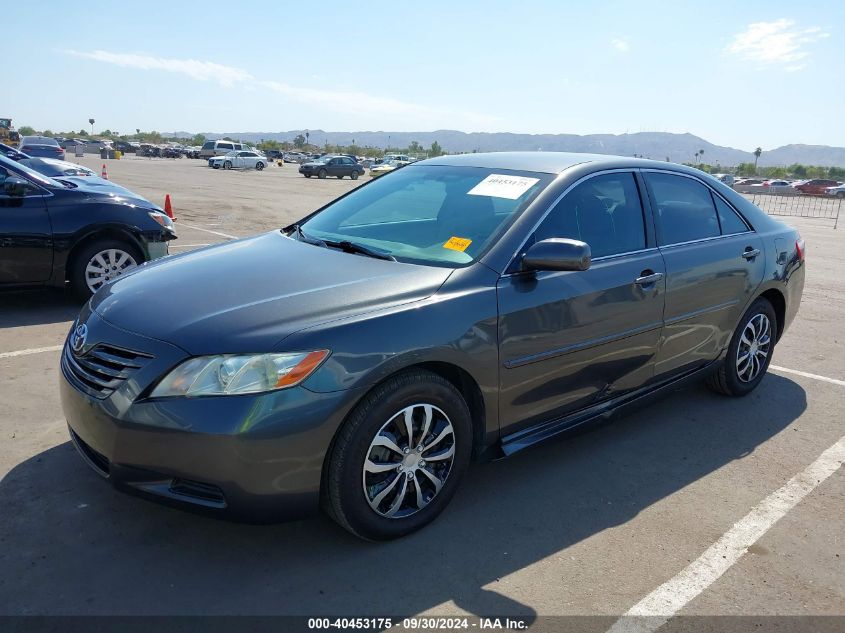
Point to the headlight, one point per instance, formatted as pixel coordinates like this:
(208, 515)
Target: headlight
(231, 374)
(162, 219)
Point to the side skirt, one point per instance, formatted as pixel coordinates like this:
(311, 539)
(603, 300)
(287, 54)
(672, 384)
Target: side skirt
(601, 412)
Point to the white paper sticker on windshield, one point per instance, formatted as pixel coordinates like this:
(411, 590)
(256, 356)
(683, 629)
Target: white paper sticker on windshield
(502, 186)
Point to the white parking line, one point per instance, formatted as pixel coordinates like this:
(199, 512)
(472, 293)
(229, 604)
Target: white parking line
(188, 245)
(832, 381)
(32, 350)
(660, 605)
(198, 228)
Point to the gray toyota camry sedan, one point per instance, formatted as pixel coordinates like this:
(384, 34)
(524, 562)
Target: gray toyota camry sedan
(462, 307)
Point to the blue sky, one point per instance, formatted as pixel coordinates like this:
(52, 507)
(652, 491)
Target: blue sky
(741, 74)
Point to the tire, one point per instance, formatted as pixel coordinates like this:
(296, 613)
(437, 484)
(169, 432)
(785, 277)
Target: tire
(259, 166)
(322, 174)
(227, 165)
(340, 177)
(840, 194)
(350, 490)
(85, 283)
(757, 330)
(354, 175)
(216, 166)
(307, 175)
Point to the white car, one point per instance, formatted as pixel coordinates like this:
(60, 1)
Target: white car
(239, 160)
(838, 191)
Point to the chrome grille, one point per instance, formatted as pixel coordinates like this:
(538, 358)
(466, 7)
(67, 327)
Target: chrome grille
(102, 369)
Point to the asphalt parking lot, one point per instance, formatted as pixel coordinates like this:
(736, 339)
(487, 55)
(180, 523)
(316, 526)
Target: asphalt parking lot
(589, 525)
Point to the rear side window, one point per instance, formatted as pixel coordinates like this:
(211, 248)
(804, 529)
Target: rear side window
(685, 210)
(603, 211)
(225, 146)
(728, 219)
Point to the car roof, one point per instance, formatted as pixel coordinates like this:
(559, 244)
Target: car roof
(546, 162)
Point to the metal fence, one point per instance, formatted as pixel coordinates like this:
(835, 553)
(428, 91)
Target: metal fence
(799, 205)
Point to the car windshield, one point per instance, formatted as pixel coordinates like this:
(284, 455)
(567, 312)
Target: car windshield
(438, 215)
(30, 173)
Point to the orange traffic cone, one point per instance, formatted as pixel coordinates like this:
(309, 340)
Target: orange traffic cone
(168, 208)
(105, 174)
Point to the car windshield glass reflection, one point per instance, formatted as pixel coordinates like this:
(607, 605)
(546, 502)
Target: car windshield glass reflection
(445, 216)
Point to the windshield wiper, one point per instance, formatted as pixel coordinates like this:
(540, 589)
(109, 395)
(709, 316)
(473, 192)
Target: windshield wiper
(300, 235)
(350, 247)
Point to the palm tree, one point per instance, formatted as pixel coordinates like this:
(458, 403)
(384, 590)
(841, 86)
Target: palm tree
(757, 153)
(700, 154)
(696, 157)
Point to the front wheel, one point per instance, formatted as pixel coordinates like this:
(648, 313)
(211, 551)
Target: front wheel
(307, 175)
(840, 194)
(259, 166)
(399, 457)
(227, 165)
(100, 263)
(323, 173)
(749, 352)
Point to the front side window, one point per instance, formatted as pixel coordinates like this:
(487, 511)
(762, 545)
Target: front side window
(430, 214)
(208, 145)
(225, 146)
(604, 211)
(684, 209)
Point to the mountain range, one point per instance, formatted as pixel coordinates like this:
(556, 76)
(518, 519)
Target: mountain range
(677, 148)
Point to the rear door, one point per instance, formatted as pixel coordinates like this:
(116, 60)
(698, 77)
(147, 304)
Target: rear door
(568, 340)
(714, 263)
(26, 240)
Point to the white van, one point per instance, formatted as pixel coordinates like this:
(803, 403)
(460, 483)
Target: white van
(218, 148)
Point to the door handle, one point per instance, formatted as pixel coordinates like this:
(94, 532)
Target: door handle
(750, 253)
(648, 279)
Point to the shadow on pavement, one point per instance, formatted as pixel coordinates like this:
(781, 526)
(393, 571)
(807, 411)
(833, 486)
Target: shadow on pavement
(37, 307)
(69, 544)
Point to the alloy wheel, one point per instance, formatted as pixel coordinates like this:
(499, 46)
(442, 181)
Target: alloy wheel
(408, 461)
(753, 348)
(107, 265)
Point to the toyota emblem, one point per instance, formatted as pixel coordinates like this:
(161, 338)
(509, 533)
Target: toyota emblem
(77, 339)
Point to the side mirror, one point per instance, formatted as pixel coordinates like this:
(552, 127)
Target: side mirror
(15, 187)
(557, 254)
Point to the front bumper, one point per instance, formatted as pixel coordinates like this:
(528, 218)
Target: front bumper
(253, 457)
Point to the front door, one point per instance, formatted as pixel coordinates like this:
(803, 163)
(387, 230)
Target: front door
(568, 340)
(714, 263)
(26, 239)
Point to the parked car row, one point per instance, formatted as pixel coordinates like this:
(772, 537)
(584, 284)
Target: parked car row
(814, 186)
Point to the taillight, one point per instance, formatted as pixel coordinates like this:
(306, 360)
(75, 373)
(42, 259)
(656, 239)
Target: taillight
(799, 249)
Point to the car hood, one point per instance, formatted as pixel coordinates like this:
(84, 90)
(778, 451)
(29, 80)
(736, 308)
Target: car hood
(248, 295)
(100, 187)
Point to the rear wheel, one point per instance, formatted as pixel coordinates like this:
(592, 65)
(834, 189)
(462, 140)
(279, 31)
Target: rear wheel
(99, 263)
(259, 166)
(354, 175)
(399, 457)
(307, 175)
(840, 194)
(749, 352)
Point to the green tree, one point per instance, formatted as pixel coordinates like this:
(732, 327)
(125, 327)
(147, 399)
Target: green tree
(198, 139)
(414, 148)
(798, 170)
(83, 132)
(26, 130)
(746, 169)
(700, 154)
(48, 133)
(299, 141)
(435, 150)
(837, 173)
(757, 153)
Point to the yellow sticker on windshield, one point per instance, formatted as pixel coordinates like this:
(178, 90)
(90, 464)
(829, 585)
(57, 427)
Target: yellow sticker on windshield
(457, 243)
